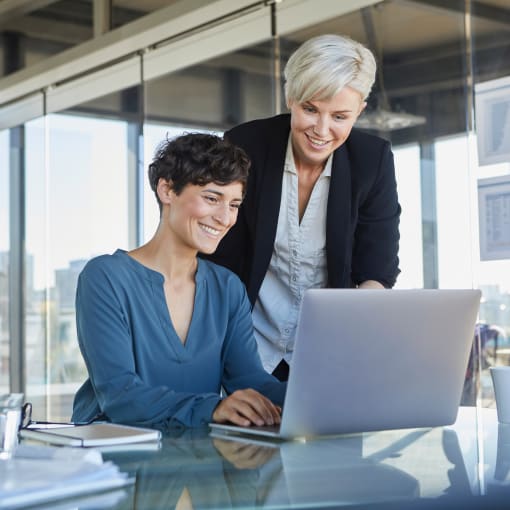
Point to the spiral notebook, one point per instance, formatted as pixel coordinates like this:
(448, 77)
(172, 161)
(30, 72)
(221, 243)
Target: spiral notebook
(94, 434)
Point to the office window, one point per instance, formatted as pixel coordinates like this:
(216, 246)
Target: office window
(212, 97)
(74, 158)
(418, 95)
(153, 135)
(407, 172)
(418, 103)
(4, 261)
(493, 278)
(460, 263)
(454, 199)
(490, 50)
(76, 209)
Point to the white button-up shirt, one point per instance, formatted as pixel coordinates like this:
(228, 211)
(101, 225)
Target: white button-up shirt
(298, 263)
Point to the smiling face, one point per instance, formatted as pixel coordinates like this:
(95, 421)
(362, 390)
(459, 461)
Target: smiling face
(200, 216)
(319, 127)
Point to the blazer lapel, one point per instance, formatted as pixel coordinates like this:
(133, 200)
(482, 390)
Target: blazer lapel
(338, 222)
(268, 206)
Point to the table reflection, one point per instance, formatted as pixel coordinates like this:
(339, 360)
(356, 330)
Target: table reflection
(194, 469)
(191, 471)
(442, 467)
(496, 451)
(502, 468)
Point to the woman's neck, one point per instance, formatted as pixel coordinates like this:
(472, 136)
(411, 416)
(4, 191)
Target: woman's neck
(309, 169)
(165, 257)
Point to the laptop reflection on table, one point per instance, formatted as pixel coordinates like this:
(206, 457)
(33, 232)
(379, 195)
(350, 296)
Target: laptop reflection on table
(367, 360)
(355, 469)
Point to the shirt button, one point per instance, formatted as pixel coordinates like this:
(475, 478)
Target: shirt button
(294, 278)
(287, 330)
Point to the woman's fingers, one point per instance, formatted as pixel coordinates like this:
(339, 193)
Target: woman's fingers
(247, 407)
(263, 407)
(239, 409)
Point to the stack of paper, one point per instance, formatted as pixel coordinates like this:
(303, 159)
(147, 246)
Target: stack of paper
(37, 474)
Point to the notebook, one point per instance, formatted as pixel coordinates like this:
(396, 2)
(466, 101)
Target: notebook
(94, 434)
(367, 360)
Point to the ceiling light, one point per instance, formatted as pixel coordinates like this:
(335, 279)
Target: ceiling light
(385, 120)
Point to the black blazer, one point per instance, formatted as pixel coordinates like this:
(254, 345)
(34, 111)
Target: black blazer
(362, 213)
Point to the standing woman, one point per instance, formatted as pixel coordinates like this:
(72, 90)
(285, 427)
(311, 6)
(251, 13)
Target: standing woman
(321, 207)
(161, 331)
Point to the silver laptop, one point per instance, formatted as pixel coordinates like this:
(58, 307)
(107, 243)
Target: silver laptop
(368, 360)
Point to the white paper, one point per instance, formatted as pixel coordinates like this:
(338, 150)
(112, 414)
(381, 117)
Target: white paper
(40, 474)
(63, 453)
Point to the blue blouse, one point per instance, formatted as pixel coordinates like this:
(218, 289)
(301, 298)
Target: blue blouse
(139, 370)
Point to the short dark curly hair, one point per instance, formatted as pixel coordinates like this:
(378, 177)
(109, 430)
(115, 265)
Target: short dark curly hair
(198, 159)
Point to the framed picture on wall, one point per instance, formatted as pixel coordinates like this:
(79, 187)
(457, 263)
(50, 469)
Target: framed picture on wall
(494, 215)
(492, 116)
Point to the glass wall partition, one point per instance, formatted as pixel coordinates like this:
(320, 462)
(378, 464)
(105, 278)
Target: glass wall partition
(491, 162)
(38, 306)
(212, 96)
(86, 184)
(419, 95)
(407, 169)
(78, 200)
(420, 103)
(4, 260)
(84, 188)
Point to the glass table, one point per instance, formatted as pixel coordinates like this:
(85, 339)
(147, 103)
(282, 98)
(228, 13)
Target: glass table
(465, 465)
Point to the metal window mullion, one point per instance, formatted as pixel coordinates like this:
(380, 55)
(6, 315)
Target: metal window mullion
(17, 288)
(135, 165)
(135, 184)
(429, 215)
(276, 75)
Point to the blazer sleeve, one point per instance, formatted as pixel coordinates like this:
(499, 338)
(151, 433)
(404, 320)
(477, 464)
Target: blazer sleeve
(376, 235)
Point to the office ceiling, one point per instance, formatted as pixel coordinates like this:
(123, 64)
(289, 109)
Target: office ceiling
(69, 22)
(414, 20)
(421, 43)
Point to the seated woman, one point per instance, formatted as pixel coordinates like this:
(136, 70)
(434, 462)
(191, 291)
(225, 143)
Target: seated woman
(163, 331)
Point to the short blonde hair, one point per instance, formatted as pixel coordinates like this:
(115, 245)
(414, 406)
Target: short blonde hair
(324, 65)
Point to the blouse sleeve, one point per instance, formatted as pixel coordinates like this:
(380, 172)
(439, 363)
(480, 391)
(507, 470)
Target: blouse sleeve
(106, 344)
(242, 365)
